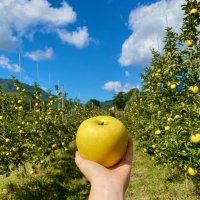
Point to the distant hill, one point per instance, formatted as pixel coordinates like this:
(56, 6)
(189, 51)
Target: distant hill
(7, 86)
(109, 102)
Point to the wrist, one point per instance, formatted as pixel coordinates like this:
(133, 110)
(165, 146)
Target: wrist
(106, 191)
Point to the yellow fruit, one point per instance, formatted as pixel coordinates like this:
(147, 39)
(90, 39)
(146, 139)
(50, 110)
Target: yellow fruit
(189, 43)
(102, 139)
(195, 138)
(194, 89)
(159, 84)
(191, 171)
(169, 119)
(54, 146)
(168, 83)
(144, 150)
(158, 132)
(7, 140)
(176, 116)
(167, 128)
(1, 117)
(21, 131)
(194, 11)
(17, 88)
(173, 86)
(153, 146)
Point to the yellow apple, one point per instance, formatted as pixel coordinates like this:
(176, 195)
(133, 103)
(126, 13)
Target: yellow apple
(195, 138)
(159, 84)
(158, 132)
(194, 89)
(167, 128)
(173, 86)
(189, 43)
(194, 11)
(102, 139)
(7, 140)
(191, 171)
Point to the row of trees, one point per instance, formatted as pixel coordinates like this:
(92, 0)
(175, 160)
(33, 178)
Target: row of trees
(165, 117)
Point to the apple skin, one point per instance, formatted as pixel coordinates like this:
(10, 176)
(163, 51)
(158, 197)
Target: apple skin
(102, 139)
(189, 43)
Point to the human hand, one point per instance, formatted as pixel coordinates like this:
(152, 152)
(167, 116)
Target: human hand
(107, 183)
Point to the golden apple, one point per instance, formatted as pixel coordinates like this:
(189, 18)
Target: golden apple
(191, 171)
(189, 43)
(173, 86)
(102, 139)
(195, 138)
(195, 89)
(194, 11)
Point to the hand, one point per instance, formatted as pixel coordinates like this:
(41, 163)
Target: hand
(107, 183)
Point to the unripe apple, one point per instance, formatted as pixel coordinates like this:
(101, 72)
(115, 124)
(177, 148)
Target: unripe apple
(102, 139)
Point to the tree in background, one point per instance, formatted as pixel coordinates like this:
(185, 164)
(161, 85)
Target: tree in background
(93, 103)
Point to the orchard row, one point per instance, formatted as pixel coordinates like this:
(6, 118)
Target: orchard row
(32, 129)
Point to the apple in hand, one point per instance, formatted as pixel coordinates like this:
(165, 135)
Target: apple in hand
(102, 139)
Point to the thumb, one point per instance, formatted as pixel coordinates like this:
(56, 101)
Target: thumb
(89, 168)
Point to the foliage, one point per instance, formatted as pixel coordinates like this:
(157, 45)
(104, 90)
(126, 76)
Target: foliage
(92, 103)
(31, 131)
(166, 114)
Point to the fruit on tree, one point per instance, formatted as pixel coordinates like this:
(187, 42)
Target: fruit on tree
(191, 171)
(167, 128)
(194, 89)
(189, 43)
(194, 11)
(195, 138)
(7, 140)
(173, 86)
(158, 132)
(102, 139)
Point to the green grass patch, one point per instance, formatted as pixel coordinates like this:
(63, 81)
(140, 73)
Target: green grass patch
(150, 181)
(62, 180)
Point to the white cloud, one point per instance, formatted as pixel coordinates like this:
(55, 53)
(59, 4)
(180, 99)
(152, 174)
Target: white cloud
(148, 24)
(79, 38)
(23, 18)
(48, 54)
(127, 73)
(117, 86)
(5, 63)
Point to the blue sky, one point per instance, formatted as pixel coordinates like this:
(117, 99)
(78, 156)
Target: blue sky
(94, 48)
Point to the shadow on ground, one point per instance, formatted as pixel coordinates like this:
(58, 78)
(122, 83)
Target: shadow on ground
(62, 181)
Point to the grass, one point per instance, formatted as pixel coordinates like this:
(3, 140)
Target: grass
(150, 181)
(63, 181)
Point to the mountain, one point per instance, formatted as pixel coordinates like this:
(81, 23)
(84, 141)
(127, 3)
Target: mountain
(108, 102)
(7, 86)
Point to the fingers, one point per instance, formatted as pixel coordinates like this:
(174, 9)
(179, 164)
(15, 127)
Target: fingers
(129, 152)
(89, 168)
